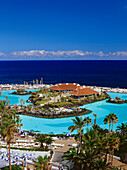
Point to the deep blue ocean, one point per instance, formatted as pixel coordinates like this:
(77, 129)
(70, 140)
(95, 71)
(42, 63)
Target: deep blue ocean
(98, 73)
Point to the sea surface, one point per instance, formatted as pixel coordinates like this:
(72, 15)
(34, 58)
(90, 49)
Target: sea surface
(96, 73)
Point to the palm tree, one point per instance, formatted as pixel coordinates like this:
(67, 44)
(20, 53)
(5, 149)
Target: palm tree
(48, 141)
(108, 119)
(7, 130)
(123, 148)
(41, 138)
(89, 139)
(42, 163)
(101, 164)
(18, 123)
(122, 128)
(3, 107)
(73, 156)
(28, 108)
(88, 157)
(113, 143)
(88, 121)
(95, 120)
(111, 119)
(114, 119)
(79, 123)
(22, 102)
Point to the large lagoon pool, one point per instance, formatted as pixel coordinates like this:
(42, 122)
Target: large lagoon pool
(60, 125)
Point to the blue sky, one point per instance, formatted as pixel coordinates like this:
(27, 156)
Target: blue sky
(63, 29)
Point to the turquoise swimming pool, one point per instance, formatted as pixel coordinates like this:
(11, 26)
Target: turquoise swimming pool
(15, 99)
(60, 125)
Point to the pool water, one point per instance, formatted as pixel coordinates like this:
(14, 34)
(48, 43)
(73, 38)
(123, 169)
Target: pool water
(60, 125)
(15, 99)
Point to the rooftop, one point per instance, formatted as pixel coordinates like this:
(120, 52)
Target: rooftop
(81, 91)
(65, 86)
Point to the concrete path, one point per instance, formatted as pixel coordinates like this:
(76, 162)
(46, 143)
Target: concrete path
(57, 156)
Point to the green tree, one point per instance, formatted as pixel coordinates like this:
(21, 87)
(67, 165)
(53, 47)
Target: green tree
(3, 107)
(113, 143)
(41, 138)
(108, 119)
(73, 156)
(42, 163)
(88, 157)
(79, 123)
(48, 141)
(22, 102)
(8, 128)
(122, 128)
(101, 164)
(88, 121)
(14, 167)
(111, 119)
(95, 120)
(114, 119)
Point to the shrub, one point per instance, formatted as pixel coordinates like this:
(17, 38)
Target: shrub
(14, 167)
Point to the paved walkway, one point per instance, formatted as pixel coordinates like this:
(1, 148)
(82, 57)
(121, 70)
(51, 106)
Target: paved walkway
(57, 156)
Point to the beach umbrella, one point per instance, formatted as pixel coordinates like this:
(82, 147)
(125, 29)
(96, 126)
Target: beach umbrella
(17, 157)
(68, 134)
(6, 159)
(25, 133)
(3, 154)
(27, 157)
(12, 160)
(32, 154)
(33, 159)
(24, 154)
(18, 163)
(20, 131)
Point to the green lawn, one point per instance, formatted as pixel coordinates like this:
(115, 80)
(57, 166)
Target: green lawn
(42, 101)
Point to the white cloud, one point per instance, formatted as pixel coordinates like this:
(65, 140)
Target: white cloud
(120, 53)
(70, 54)
(51, 53)
(2, 54)
(57, 53)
